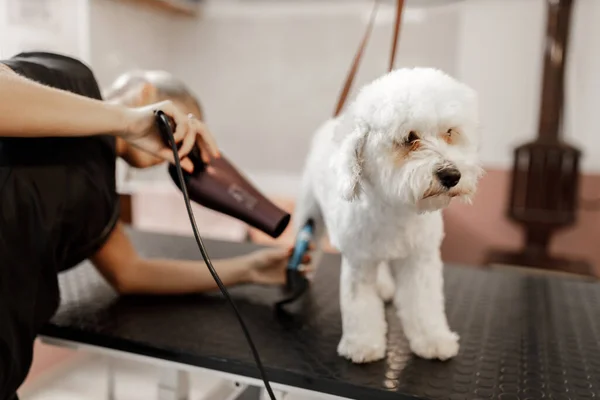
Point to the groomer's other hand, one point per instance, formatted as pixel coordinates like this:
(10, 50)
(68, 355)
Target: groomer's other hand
(267, 267)
(142, 131)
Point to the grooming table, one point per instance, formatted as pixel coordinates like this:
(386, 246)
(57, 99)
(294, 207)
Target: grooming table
(523, 336)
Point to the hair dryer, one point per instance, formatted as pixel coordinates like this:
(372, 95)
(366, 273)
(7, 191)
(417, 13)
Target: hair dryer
(222, 188)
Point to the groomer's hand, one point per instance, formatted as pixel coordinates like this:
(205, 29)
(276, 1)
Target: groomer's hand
(141, 131)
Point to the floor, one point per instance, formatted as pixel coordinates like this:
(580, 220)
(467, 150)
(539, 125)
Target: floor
(87, 379)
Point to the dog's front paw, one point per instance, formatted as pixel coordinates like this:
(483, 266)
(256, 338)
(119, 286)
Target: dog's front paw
(441, 347)
(361, 349)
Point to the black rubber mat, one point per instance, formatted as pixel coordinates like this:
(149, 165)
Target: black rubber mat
(523, 336)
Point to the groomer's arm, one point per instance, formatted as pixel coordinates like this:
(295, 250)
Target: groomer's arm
(29, 109)
(129, 273)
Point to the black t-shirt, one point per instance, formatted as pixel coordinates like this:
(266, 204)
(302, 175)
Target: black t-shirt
(58, 206)
(80, 195)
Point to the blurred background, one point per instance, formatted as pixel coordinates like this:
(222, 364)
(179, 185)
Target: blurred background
(268, 72)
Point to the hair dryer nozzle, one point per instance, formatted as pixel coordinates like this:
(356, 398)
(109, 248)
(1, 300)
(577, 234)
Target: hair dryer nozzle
(220, 187)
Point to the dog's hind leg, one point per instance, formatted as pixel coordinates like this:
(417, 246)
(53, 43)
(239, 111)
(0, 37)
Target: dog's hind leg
(385, 282)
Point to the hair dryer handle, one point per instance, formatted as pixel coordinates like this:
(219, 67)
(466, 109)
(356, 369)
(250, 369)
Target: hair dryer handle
(166, 126)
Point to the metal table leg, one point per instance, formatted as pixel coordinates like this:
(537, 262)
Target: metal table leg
(110, 379)
(173, 385)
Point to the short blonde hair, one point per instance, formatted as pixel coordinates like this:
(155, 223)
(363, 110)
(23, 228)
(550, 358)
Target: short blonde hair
(167, 86)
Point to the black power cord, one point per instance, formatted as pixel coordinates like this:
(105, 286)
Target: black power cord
(164, 123)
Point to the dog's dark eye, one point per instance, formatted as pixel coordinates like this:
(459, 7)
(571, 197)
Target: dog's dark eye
(450, 136)
(411, 138)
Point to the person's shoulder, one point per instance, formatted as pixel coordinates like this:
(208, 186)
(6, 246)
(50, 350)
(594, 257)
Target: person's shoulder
(57, 70)
(50, 61)
(9, 64)
(24, 64)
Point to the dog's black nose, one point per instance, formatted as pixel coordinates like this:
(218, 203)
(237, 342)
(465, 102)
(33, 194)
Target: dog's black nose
(448, 177)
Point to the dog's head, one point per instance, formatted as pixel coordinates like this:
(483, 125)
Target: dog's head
(411, 136)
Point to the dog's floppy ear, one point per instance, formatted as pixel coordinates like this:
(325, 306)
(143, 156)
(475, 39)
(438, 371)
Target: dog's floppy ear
(349, 162)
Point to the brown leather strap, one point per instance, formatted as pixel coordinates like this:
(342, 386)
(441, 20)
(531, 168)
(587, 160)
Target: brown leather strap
(396, 35)
(356, 61)
(357, 58)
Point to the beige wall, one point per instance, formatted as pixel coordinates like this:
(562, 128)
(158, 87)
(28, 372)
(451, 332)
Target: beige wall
(269, 72)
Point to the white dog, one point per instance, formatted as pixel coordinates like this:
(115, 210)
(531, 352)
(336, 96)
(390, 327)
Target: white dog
(376, 180)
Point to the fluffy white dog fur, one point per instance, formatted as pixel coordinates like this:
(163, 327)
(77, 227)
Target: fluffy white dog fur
(372, 180)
